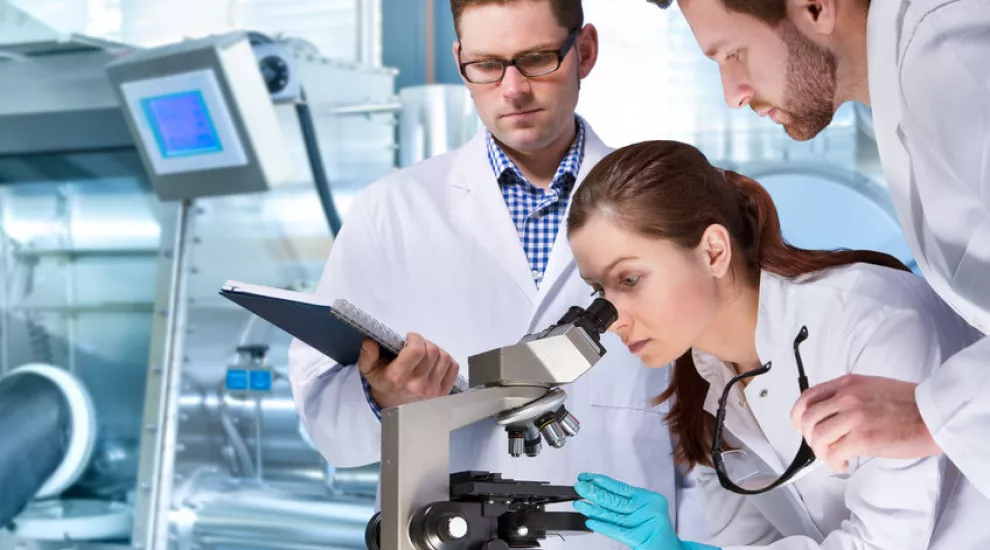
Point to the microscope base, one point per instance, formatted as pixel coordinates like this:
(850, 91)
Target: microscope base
(497, 514)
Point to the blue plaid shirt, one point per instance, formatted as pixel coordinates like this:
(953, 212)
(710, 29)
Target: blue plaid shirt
(537, 213)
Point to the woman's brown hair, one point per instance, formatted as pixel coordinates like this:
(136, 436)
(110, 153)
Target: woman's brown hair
(669, 190)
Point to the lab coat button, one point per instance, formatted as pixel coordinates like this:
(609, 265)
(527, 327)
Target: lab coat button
(764, 393)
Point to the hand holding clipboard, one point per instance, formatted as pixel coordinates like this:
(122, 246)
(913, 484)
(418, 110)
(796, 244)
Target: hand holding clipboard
(338, 331)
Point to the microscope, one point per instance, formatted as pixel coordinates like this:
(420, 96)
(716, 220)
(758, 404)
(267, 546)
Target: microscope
(426, 507)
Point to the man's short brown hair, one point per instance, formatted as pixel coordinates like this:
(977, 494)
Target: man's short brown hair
(569, 13)
(768, 11)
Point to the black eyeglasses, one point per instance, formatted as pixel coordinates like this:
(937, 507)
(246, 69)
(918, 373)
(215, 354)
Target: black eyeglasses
(736, 470)
(532, 64)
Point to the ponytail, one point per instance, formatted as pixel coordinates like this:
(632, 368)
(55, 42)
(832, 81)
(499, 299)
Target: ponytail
(763, 245)
(668, 190)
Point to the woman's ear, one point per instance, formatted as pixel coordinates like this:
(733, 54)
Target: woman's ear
(716, 248)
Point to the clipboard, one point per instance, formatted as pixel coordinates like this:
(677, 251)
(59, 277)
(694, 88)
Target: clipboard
(335, 330)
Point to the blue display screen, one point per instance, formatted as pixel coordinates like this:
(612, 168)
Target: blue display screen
(237, 380)
(182, 124)
(261, 380)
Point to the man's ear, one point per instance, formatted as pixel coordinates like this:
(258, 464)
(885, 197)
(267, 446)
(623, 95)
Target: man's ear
(587, 46)
(456, 50)
(815, 19)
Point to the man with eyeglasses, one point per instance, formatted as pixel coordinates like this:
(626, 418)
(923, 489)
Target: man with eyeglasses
(467, 250)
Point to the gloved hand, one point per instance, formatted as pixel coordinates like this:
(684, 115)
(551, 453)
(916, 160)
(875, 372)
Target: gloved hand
(633, 516)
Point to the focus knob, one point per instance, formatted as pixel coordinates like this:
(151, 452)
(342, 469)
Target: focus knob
(453, 528)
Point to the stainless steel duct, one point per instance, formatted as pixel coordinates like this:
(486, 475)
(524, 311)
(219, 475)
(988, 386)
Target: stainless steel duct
(218, 512)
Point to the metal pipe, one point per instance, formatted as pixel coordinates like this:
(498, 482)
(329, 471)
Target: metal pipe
(4, 290)
(258, 413)
(361, 481)
(365, 109)
(368, 32)
(308, 129)
(246, 468)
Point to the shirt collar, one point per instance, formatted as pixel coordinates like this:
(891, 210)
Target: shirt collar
(507, 172)
(715, 371)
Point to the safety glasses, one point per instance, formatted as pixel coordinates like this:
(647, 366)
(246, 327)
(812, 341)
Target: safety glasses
(740, 471)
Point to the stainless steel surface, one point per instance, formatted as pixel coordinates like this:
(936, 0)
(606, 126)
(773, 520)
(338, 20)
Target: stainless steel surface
(369, 32)
(570, 425)
(58, 103)
(10, 542)
(435, 119)
(549, 402)
(553, 434)
(216, 511)
(534, 446)
(370, 109)
(516, 444)
(215, 423)
(356, 149)
(360, 481)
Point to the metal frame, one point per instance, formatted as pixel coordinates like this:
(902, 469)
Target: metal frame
(157, 455)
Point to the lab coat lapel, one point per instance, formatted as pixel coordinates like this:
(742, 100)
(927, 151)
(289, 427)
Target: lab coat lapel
(482, 214)
(560, 265)
(738, 422)
(772, 395)
(782, 507)
(884, 45)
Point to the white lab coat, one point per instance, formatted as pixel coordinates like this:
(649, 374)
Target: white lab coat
(861, 319)
(432, 249)
(929, 80)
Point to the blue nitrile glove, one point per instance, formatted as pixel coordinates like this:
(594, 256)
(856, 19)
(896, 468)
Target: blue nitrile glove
(633, 516)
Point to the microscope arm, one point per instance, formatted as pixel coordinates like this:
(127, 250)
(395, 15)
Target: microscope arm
(416, 451)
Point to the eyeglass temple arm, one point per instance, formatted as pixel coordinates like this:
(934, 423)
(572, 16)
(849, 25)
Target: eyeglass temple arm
(802, 379)
(720, 413)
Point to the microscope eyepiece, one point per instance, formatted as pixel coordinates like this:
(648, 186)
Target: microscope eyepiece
(602, 314)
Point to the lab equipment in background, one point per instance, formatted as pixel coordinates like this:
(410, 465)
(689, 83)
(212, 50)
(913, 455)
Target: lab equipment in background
(103, 280)
(352, 125)
(435, 119)
(251, 375)
(202, 118)
(49, 431)
(261, 441)
(825, 207)
(425, 507)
